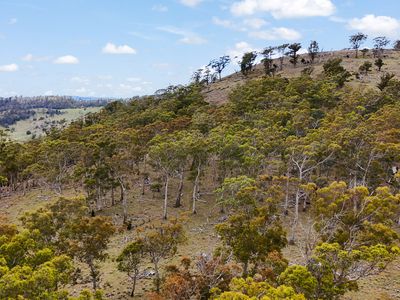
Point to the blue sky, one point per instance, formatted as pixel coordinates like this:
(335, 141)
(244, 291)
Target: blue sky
(122, 48)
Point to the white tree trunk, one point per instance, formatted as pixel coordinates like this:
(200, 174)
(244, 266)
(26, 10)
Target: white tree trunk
(165, 197)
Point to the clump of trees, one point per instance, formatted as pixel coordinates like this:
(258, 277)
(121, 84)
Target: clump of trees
(247, 62)
(38, 261)
(152, 247)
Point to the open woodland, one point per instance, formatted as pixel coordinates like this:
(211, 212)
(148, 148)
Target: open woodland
(277, 182)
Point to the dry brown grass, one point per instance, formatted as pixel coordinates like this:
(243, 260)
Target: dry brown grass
(218, 92)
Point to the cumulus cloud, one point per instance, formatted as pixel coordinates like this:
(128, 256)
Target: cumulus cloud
(277, 33)
(284, 8)
(187, 37)
(66, 60)
(240, 48)
(111, 48)
(9, 68)
(376, 25)
(191, 3)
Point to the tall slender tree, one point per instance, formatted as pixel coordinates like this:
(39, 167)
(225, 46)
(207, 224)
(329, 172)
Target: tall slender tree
(356, 40)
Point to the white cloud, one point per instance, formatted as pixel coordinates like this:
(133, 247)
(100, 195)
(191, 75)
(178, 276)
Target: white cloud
(9, 68)
(12, 21)
(191, 3)
(160, 8)
(255, 23)
(66, 60)
(30, 58)
(223, 22)
(48, 93)
(187, 36)
(243, 26)
(376, 25)
(278, 33)
(111, 48)
(240, 49)
(284, 8)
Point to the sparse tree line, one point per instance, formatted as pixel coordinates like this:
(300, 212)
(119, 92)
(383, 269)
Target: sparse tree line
(302, 161)
(273, 58)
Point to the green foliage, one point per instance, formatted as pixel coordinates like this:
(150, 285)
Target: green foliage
(337, 270)
(129, 261)
(249, 289)
(66, 227)
(29, 270)
(247, 62)
(279, 147)
(252, 236)
(293, 49)
(161, 243)
(313, 50)
(336, 72)
(356, 40)
(379, 64)
(300, 279)
(385, 80)
(365, 67)
(352, 218)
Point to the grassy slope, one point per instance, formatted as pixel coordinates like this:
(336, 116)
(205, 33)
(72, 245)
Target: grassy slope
(218, 92)
(18, 130)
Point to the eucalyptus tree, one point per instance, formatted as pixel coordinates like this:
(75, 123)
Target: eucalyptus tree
(220, 64)
(293, 53)
(313, 50)
(282, 53)
(380, 43)
(356, 40)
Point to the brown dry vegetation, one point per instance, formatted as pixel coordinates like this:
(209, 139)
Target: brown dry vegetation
(218, 92)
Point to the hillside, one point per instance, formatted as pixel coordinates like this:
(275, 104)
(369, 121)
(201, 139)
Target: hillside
(42, 121)
(218, 92)
(284, 186)
(24, 118)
